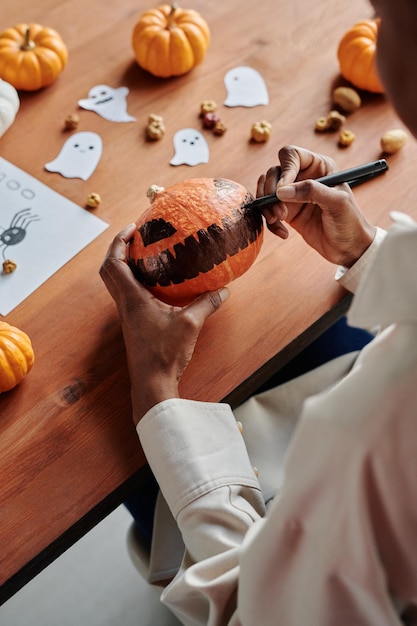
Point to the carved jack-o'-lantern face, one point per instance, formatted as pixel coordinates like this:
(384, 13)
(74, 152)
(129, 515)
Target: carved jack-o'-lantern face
(197, 236)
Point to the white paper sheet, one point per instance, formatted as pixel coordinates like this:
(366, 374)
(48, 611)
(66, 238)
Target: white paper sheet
(40, 231)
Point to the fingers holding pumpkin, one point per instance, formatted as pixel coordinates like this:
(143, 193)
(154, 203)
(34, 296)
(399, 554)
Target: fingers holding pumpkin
(205, 305)
(114, 269)
(118, 247)
(131, 297)
(119, 279)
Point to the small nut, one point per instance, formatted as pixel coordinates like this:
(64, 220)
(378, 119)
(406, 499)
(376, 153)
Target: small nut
(153, 117)
(219, 128)
(261, 131)
(347, 99)
(393, 140)
(321, 124)
(332, 122)
(346, 137)
(153, 191)
(71, 121)
(210, 119)
(155, 129)
(207, 106)
(9, 266)
(335, 120)
(93, 200)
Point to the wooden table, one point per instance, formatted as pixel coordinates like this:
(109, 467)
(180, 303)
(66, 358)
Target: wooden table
(68, 449)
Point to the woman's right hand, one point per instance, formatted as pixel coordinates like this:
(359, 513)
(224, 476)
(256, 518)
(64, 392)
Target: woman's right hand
(328, 219)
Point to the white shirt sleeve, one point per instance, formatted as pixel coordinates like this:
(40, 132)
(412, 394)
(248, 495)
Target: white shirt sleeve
(351, 277)
(199, 459)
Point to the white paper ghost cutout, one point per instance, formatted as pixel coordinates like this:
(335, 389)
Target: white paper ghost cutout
(108, 102)
(245, 87)
(191, 148)
(79, 156)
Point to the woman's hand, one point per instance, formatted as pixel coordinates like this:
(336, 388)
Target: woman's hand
(159, 338)
(327, 218)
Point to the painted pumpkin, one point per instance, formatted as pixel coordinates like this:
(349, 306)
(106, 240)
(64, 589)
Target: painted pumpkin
(357, 56)
(196, 236)
(170, 41)
(31, 56)
(16, 356)
(9, 105)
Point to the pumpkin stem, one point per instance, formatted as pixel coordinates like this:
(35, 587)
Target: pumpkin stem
(171, 15)
(27, 44)
(153, 191)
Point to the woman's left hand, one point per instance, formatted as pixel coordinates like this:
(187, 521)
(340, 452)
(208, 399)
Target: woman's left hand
(159, 338)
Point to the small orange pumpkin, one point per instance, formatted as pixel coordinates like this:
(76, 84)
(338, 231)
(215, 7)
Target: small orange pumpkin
(170, 41)
(31, 56)
(357, 56)
(16, 356)
(197, 236)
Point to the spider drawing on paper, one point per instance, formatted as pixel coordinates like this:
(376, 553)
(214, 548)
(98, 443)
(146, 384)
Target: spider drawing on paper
(16, 232)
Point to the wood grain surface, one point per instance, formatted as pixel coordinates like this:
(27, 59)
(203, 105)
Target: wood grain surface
(67, 443)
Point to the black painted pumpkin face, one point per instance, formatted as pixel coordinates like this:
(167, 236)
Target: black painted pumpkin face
(197, 236)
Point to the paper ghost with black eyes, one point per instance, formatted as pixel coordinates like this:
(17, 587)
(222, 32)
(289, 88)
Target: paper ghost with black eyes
(191, 148)
(79, 156)
(245, 87)
(108, 102)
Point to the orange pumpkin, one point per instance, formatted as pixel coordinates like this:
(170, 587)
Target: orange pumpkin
(16, 356)
(357, 56)
(31, 56)
(170, 41)
(196, 236)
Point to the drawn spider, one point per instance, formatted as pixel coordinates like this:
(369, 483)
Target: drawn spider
(17, 229)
